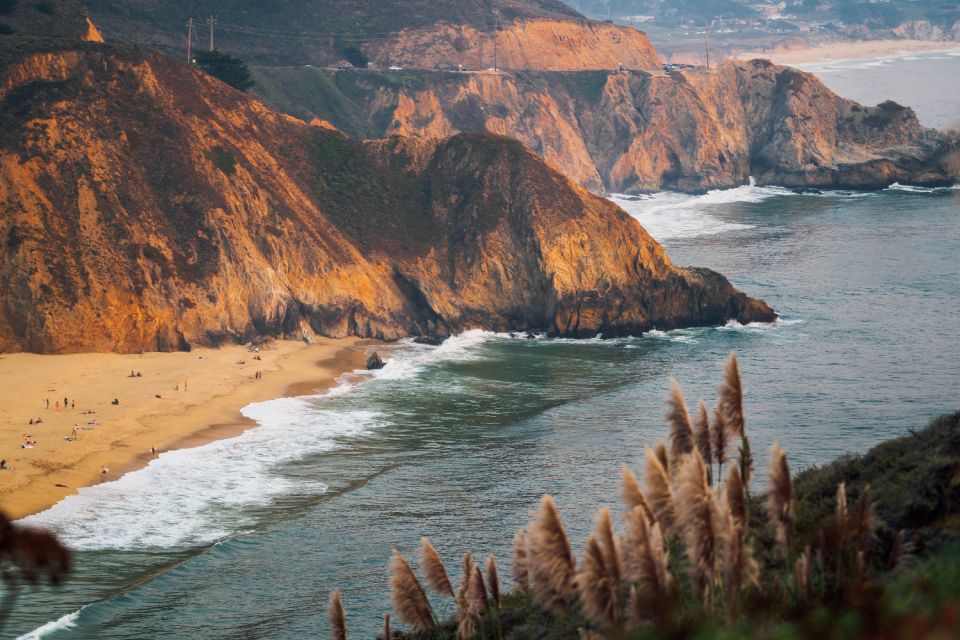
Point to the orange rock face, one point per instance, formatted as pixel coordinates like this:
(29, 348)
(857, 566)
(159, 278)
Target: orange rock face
(552, 45)
(149, 207)
(689, 131)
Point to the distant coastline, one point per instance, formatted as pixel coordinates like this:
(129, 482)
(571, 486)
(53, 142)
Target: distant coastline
(154, 410)
(857, 50)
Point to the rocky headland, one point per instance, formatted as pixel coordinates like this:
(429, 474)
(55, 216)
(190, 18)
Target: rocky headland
(147, 206)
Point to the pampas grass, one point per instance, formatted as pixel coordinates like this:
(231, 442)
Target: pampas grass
(493, 578)
(466, 627)
(736, 498)
(338, 620)
(465, 576)
(866, 520)
(718, 439)
(645, 564)
(803, 574)
(387, 634)
(660, 493)
(409, 598)
(520, 565)
(731, 397)
(599, 592)
(661, 452)
(476, 596)
(633, 496)
(698, 516)
(780, 504)
(681, 430)
(434, 571)
(551, 561)
(701, 434)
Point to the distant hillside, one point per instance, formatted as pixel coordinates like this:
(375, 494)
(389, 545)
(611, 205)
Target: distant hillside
(147, 206)
(539, 34)
(47, 18)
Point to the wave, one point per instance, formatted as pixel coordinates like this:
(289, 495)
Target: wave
(907, 188)
(64, 623)
(669, 214)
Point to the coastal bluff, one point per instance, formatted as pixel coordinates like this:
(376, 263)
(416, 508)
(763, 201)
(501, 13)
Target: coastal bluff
(148, 206)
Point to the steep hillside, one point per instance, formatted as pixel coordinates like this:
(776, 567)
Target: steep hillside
(532, 34)
(691, 130)
(60, 19)
(148, 206)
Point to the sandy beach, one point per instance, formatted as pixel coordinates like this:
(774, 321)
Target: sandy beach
(846, 51)
(180, 400)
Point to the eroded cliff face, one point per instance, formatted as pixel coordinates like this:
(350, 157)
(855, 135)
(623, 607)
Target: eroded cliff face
(629, 132)
(552, 45)
(146, 206)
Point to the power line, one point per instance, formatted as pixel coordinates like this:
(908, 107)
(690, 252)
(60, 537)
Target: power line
(189, 38)
(211, 21)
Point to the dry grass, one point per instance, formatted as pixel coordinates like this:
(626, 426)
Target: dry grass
(780, 506)
(338, 620)
(434, 571)
(552, 565)
(660, 493)
(493, 579)
(409, 599)
(520, 566)
(681, 429)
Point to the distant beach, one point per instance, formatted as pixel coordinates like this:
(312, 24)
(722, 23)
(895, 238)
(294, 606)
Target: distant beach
(846, 51)
(180, 400)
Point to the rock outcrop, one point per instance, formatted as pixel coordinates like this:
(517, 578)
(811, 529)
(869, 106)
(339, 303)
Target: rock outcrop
(147, 206)
(688, 130)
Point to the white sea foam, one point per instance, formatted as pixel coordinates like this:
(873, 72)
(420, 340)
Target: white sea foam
(196, 496)
(64, 623)
(896, 186)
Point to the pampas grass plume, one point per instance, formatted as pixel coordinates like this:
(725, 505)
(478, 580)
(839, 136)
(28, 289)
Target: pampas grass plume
(493, 579)
(338, 620)
(698, 516)
(434, 571)
(731, 397)
(520, 566)
(552, 565)
(409, 598)
(387, 634)
(660, 493)
(681, 430)
(780, 503)
(701, 433)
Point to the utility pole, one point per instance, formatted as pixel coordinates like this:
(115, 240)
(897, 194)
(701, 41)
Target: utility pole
(706, 41)
(189, 38)
(211, 21)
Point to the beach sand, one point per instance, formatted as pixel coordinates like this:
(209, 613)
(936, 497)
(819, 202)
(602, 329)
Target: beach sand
(857, 50)
(201, 394)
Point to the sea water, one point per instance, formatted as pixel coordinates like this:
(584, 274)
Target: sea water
(245, 537)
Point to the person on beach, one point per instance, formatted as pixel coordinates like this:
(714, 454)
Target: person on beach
(58, 405)
(74, 431)
(48, 403)
(103, 471)
(153, 451)
(73, 404)
(3, 463)
(64, 402)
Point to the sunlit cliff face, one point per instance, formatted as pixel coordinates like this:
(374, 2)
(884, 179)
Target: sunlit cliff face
(690, 130)
(148, 206)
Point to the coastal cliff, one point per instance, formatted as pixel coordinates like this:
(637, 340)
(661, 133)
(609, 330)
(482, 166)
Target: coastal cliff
(147, 206)
(689, 130)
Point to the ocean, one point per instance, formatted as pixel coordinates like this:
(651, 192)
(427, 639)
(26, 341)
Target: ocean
(245, 538)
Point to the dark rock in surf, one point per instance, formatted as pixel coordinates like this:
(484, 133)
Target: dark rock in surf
(375, 362)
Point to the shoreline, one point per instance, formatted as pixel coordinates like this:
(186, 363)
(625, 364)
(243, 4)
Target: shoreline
(837, 51)
(219, 383)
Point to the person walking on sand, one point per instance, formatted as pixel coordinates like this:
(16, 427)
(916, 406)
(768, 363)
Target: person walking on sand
(58, 405)
(74, 431)
(64, 402)
(153, 451)
(48, 403)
